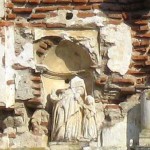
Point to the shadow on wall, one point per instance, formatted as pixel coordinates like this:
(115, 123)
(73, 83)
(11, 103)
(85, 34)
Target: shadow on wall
(133, 125)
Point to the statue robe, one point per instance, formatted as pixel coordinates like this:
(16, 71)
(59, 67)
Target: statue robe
(67, 117)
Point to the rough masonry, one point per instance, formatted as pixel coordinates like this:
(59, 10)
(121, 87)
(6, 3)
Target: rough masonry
(74, 73)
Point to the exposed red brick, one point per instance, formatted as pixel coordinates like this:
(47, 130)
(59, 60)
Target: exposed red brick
(36, 78)
(136, 72)
(22, 24)
(83, 7)
(135, 28)
(123, 80)
(114, 21)
(137, 64)
(35, 100)
(140, 49)
(9, 5)
(136, 43)
(145, 35)
(128, 90)
(115, 16)
(141, 43)
(64, 1)
(43, 25)
(95, 1)
(48, 42)
(80, 1)
(139, 57)
(41, 51)
(68, 7)
(46, 9)
(19, 1)
(96, 6)
(38, 16)
(112, 107)
(11, 16)
(49, 1)
(9, 82)
(43, 45)
(141, 22)
(34, 1)
(6, 23)
(22, 10)
(145, 43)
(55, 25)
(85, 14)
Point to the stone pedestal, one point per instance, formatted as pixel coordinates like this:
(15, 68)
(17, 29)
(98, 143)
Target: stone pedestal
(144, 138)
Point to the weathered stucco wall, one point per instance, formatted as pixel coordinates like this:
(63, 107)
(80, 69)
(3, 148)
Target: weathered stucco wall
(46, 44)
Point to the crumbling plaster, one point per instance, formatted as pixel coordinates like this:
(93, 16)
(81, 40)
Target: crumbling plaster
(120, 51)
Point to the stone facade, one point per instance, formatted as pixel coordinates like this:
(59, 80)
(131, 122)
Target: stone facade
(73, 74)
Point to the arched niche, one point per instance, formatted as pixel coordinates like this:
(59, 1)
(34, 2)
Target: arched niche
(63, 58)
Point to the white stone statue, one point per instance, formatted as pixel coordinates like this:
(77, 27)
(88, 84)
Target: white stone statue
(67, 111)
(89, 120)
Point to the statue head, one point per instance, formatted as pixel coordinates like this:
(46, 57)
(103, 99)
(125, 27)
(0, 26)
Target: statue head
(77, 82)
(77, 85)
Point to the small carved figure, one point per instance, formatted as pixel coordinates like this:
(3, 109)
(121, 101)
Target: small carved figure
(89, 120)
(67, 116)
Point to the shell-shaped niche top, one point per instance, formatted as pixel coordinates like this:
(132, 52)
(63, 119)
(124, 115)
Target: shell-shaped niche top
(62, 59)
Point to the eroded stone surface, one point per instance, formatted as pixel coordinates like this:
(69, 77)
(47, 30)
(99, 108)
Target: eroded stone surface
(23, 85)
(119, 129)
(76, 21)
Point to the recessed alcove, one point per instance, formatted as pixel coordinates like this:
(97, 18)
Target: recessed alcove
(66, 58)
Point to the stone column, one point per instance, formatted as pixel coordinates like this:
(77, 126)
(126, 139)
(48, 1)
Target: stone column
(144, 139)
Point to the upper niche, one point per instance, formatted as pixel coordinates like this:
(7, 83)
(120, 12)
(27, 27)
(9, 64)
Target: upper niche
(63, 59)
(66, 57)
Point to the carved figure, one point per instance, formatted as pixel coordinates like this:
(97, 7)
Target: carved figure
(67, 116)
(89, 120)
